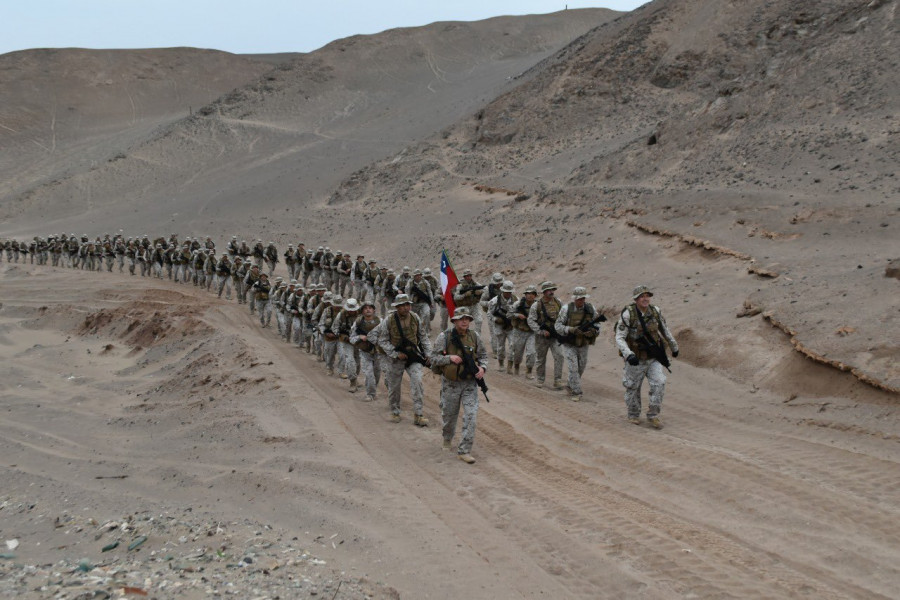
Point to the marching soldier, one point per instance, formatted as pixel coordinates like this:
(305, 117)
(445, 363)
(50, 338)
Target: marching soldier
(261, 289)
(500, 309)
(641, 325)
(578, 327)
(422, 295)
(364, 338)
(468, 293)
(402, 338)
(342, 327)
(223, 270)
(458, 386)
(522, 338)
(331, 306)
(250, 280)
(542, 320)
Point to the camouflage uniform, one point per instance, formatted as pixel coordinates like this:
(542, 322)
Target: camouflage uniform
(223, 270)
(500, 310)
(628, 330)
(358, 278)
(576, 342)
(368, 349)
(420, 292)
(250, 280)
(542, 317)
(329, 310)
(522, 337)
(493, 288)
(470, 298)
(342, 327)
(389, 338)
(261, 289)
(456, 389)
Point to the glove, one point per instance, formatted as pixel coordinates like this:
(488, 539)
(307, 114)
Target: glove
(601, 318)
(674, 353)
(633, 360)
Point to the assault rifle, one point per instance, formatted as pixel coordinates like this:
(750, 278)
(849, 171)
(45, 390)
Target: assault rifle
(653, 349)
(413, 352)
(583, 328)
(420, 295)
(503, 314)
(470, 368)
(463, 289)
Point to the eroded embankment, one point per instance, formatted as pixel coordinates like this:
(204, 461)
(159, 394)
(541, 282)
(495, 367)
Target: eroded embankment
(750, 309)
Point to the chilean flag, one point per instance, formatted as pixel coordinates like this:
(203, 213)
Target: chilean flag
(448, 282)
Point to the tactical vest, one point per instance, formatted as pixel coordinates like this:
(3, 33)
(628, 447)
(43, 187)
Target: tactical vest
(360, 270)
(347, 322)
(262, 290)
(547, 312)
(577, 317)
(365, 328)
(522, 308)
(410, 330)
(470, 341)
(652, 320)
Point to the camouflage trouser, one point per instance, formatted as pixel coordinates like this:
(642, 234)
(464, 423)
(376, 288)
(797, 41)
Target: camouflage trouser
(423, 309)
(157, 269)
(522, 343)
(445, 317)
(393, 376)
(370, 369)
(120, 260)
(541, 345)
(350, 359)
(225, 284)
(329, 352)
(576, 361)
(279, 318)
(271, 265)
(359, 289)
(265, 312)
(296, 330)
(499, 335)
(632, 378)
(343, 285)
(369, 293)
(454, 394)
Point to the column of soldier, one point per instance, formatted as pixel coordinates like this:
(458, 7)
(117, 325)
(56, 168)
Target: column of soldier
(364, 321)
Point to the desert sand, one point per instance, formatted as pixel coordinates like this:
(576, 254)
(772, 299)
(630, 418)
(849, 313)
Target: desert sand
(740, 159)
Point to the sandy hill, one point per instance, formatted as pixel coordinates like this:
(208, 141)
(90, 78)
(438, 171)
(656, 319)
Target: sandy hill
(69, 110)
(294, 133)
(764, 130)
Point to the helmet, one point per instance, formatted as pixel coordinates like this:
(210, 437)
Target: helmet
(507, 286)
(497, 278)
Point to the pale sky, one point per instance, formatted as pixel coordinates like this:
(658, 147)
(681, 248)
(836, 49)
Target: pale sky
(241, 27)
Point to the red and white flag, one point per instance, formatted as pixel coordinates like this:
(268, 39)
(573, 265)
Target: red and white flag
(448, 282)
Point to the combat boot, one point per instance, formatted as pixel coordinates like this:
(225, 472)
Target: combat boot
(509, 367)
(517, 368)
(420, 421)
(446, 445)
(500, 360)
(353, 387)
(528, 374)
(654, 422)
(395, 418)
(467, 458)
(557, 384)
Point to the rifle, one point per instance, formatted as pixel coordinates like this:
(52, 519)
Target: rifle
(412, 351)
(653, 349)
(469, 367)
(420, 295)
(470, 288)
(503, 314)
